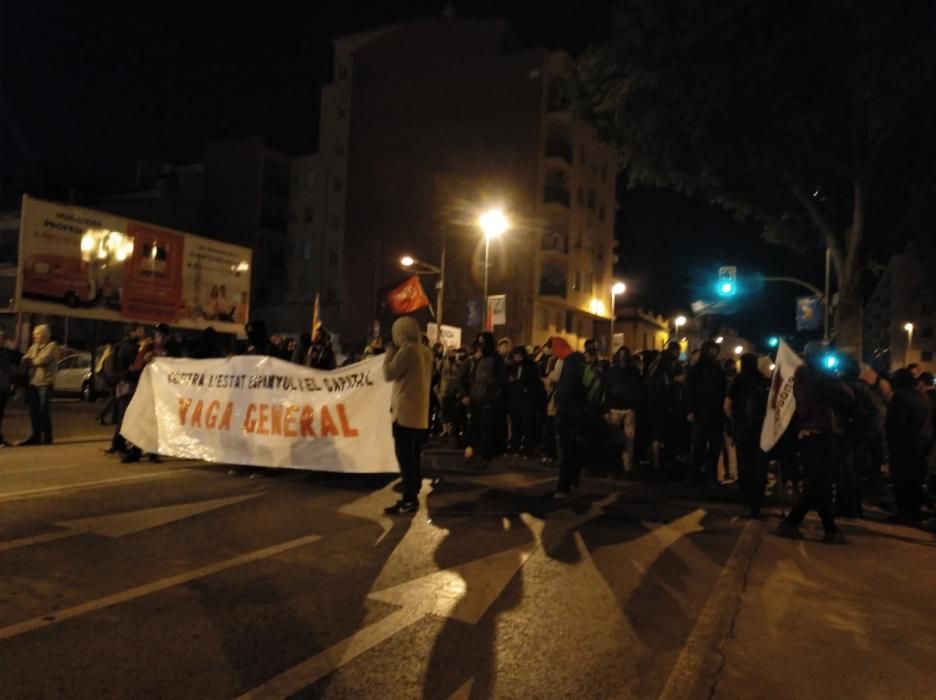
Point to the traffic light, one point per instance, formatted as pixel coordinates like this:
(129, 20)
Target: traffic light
(727, 281)
(830, 361)
(773, 341)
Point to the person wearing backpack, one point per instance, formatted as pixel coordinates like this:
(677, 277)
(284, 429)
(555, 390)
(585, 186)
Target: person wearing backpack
(745, 407)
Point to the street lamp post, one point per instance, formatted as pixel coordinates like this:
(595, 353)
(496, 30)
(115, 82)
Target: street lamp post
(909, 328)
(616, 289)
(493, 224)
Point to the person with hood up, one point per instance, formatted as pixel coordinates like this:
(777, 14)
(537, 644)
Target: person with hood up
(486, 394)
(706, 387)
(408, 364)
(525, 394)
(571, 396)
(821, 398)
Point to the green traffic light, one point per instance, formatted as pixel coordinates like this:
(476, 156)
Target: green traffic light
(773, 341)
(726, 289)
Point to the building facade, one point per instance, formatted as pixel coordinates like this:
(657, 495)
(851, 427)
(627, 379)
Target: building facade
(428, 123)
(904, 294)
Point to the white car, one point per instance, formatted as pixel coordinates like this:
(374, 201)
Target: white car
(74, 377)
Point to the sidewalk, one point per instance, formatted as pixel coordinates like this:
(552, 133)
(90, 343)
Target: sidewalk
(820, 621)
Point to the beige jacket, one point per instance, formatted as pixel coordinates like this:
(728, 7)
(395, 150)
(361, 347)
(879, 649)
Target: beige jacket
(409, 367)
(44, 363)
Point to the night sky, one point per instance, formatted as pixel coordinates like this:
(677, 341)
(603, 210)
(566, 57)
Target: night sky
(89, 87)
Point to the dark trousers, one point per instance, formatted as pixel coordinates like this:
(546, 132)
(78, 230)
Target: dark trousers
(708, 436)
(820, 459)
(570, 459)
(118, 444)
(848, 485)
(4, 397)
(40, 412)
(488, 429)
(871, 457)
(407, 443)
(908, 469)
(752, 469)
(522, 426)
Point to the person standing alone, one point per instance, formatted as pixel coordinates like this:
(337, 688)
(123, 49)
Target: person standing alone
(408, 365)
(41, 362)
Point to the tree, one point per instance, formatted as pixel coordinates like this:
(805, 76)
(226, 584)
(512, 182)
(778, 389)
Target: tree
(814, 118)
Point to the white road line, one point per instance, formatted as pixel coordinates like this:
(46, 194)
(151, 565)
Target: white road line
(308, 672)
(51, 490)
(154, 587)
(37, 539)
(685, 678)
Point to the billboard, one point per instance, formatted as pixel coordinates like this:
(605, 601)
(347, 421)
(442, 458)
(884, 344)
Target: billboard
(89, 264)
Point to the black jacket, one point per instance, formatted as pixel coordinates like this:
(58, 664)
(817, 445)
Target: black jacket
(820, 400)
(909, 420)
(705, 388)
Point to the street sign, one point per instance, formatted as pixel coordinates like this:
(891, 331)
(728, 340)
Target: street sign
(809, 313)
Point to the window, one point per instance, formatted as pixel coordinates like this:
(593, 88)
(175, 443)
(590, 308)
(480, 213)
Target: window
(591, 199)
(580, 197)
(927, 332)
(308, 214)
(307, 250)
(926, 356)
(337, 184)
(543, 319)
(601, 212)
(332, 257)
(577, 281)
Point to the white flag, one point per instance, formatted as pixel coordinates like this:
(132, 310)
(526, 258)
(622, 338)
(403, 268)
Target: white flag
(781, 405)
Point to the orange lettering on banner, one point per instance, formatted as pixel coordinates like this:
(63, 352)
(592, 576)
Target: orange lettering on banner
(346, 428)
(250, 423)
(289, 421)
(225, 423)
(211, 415)
(328, 425)
(305, 422)
(183, 409)
(196, 414)
(276, 420)
(262, 424)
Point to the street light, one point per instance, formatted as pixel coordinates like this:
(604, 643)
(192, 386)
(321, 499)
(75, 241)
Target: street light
(719, 340)
(739, 349)
(617, 289)
(407, 261)
(494, 224)
(909, 328)
(679, 322)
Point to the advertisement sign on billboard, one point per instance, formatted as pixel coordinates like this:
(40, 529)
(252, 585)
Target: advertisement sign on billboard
(88, 264)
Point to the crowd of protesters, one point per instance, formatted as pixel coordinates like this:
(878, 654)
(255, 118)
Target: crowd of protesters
(668, 414)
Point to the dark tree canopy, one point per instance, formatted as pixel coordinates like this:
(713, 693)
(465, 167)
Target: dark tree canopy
(815, 118)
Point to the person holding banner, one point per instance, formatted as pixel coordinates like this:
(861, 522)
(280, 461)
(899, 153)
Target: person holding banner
(408, 365)
(821, 399)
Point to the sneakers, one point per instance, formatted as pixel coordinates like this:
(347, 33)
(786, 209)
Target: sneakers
(836, 537)
(784, 529)
(402, 508)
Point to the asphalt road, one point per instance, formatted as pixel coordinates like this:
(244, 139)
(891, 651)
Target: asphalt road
(179, 580)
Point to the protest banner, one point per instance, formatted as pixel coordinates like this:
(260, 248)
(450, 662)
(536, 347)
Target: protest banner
(781, 404)
(265, 412)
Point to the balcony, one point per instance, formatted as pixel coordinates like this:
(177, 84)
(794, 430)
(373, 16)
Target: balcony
(558, 148)
(557, 194)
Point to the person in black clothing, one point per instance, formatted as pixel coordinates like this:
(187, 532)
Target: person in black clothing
(706, 388)
(623, 382)
(821, 399)
(321, 355)
(571, 398)
(486, 394)
(658, 400)
(745, 406)
(909, 428)
(526, 394)
(127, 378)
(301, 351)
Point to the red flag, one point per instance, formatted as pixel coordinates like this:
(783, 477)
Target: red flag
(408, 297)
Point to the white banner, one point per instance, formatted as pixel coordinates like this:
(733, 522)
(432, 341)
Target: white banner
(451, 335)
(265, 412)
(781, 405)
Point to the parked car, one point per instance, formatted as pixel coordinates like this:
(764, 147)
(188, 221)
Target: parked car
(74, 377)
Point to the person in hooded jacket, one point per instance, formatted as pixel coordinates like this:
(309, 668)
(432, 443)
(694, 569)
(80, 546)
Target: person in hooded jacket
(321, 355)
(746, 406)
(571, 397)
(525, 392)
(706, 387)
(488, 417)
(909, 428)
(408, 364)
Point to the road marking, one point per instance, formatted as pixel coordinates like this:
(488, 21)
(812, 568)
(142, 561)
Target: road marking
(153, 587)
(713, 622)
(37, 539)
(52, 490)
(121, 524)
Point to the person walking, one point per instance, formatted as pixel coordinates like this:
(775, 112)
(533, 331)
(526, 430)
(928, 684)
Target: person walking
(408, 364)
(746, 406)
(909, 428)
(125, 356)
(821, 398)
(706, 387)
(41, 362)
